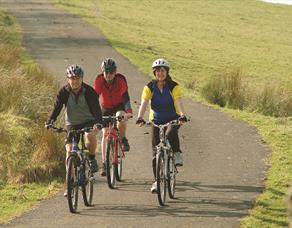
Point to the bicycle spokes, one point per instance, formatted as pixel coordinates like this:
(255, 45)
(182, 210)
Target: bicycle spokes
(110, 167)
(161, 179)
(72, 184)
(171, 174)
(87, 187)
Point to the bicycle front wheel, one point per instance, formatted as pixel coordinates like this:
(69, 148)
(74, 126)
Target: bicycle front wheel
(72, 183)
(87, 187)
(171, 174)
(161, 178)
(110, 168)
(119, 163)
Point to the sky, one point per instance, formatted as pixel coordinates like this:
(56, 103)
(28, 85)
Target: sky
(288, 2)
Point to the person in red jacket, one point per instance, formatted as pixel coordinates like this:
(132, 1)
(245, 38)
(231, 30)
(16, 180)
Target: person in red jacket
(114, 98)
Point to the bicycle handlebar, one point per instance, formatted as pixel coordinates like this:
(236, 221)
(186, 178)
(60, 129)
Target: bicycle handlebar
(118, 118)
(173, 122)
(60, 130)
(57, 129)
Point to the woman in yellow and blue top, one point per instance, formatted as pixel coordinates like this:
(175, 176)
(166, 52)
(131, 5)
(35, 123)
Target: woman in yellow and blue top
(165, 97)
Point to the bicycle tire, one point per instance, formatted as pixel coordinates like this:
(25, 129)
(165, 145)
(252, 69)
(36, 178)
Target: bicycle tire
(119, 164)
(171, 177)
(161, 179)
(87, 187)
(72, 183)
(110, 168)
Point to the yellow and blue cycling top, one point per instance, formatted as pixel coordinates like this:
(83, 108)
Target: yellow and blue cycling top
(162, 103)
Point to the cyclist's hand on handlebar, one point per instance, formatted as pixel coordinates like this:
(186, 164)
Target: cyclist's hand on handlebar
(97, 126)
(140, 121)
(49, 124)
(182, 119)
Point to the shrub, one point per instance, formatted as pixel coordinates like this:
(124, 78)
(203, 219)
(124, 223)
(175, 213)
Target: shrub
(213, 92)
(26, 147)
(15, 144)
(227, 90)
(230, 90)
(28, 153)
(274, 101)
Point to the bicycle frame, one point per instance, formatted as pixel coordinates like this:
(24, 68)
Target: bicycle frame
(76, 171)
(79, 154)
(164, 144)
(164, 154)
(113, 132)
(114, 152)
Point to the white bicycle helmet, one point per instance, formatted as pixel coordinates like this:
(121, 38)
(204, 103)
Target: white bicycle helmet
(160, 63)
(74, 71)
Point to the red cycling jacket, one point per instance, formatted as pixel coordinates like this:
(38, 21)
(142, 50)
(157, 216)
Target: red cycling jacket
(114, 93)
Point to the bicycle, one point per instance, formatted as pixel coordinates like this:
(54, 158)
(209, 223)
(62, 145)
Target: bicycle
(166, 170)
(78, 173)
(114, 152)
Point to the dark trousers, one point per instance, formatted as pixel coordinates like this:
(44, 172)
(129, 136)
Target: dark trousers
(172, 136)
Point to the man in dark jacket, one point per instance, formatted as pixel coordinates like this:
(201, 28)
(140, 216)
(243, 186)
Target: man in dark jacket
(82, 109)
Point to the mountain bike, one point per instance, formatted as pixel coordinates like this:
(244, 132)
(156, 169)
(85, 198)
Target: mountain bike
(166, 170)
(78, 174)
(114, 151)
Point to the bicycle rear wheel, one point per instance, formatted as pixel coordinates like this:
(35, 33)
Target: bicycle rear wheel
(110, 168)
(161, 178)
(72, 183)
(171, 174)
(87, 187)
(119, 164)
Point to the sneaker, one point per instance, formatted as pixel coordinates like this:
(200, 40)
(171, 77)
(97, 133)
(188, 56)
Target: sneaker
(65, 193)
(103, 170)
(154, 187)
(125, 143)
(93, 165)
(178, 159)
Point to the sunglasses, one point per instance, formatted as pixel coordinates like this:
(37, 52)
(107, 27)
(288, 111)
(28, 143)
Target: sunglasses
(74, 78)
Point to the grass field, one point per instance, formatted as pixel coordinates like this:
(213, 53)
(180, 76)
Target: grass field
(16, 199)
(30, 156)
(201, 39)
(204, 39)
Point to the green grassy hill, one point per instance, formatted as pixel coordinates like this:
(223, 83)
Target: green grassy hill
(200, 38)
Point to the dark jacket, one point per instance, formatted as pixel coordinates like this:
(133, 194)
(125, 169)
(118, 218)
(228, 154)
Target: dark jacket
(91, 97)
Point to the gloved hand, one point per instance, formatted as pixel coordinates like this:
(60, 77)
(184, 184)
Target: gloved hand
(98, 126)
(183, 119)
(49, 124)
(140, 121)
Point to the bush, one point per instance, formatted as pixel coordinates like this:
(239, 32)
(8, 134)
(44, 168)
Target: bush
(28, 152)
(24, 143)
(227, 90)
(25, 147)
(273, 101)
(30, 96)
(213, 92)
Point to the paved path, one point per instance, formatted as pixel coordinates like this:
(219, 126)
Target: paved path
(224, 159)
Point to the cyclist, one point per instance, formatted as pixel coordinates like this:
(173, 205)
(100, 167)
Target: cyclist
(165, 97)
(114, 100)
(81, 110)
